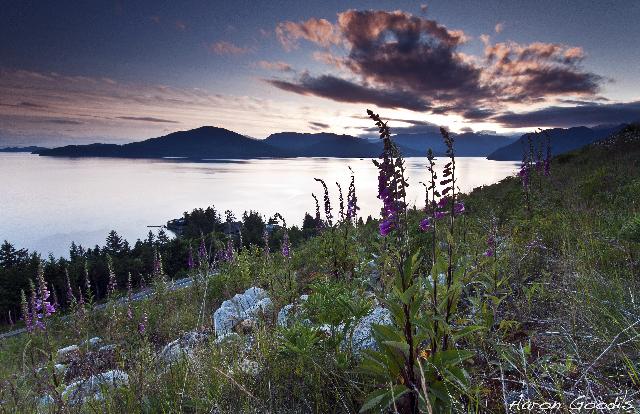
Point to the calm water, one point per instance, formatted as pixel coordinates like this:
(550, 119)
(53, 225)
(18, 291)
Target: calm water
(45, 203)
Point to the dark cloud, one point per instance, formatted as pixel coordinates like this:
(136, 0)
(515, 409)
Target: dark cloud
(342, 90)
(529, 73)
(318, 125)
(30, 105)
(419, 59)
(147, 119)
(62, 122)
(565, 116)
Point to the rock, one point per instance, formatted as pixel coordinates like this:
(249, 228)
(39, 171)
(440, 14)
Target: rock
(325, 330)
(374, 274)
(290, 311)
(92, 343)
(104, 359)
(363, 334)
(107, 348)
(249, 367)
(183, 346)
(248, 305)
(285, 314)
(67, 354)
(91, 388)
(228, 338)
(60, 369)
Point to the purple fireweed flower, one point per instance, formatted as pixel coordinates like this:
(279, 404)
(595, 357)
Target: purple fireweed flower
(70, 297)
(265, 240)
(425, 224)
(491, 246)
(80, 308)
(202, 252)
(129, 295)
(157, 264)
(190, 262)
(341, 202)
(286, 246)
(113, 285)
(525, 173)
(142, 326)
(458, 208)
(227, 254)
(386, 226)
(40, 302)
(440, 214)
(443, 202)
(352, 200)
(547, 167)
(26, 314)
(327, 203)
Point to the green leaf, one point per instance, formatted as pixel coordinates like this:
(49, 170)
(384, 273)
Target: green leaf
(467, 330)
(451, 357)
(381, 399)
(400, 346)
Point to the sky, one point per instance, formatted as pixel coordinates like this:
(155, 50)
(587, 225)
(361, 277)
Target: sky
(116, 71)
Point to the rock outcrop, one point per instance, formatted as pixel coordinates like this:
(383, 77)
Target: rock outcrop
(250, 305)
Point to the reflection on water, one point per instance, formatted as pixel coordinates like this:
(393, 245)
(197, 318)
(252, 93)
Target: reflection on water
(45, 202)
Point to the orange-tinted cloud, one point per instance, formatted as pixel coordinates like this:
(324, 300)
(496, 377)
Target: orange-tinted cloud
(276, 66)
(319, 31)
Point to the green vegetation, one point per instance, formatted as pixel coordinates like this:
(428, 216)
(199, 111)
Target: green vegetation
(519, 292)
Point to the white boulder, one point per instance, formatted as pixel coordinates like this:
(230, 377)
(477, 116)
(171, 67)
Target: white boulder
(68, 353)
(91, 388)
(362, 337)
(183, 346)
(248, 305)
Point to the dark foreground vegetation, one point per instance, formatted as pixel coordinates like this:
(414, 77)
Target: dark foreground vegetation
(522, 292)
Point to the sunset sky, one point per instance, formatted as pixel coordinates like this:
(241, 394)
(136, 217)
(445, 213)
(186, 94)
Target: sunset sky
(80, 72)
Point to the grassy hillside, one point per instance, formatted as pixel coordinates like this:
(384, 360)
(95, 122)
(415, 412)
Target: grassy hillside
(541, 307)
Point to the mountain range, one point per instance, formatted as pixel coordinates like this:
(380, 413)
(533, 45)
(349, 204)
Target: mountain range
(32, 149)
(209, 143)
(561, 139)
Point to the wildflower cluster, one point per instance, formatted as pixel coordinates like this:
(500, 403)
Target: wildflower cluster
(328, 212)
(352, 200)
(391, 182)
(39, 306)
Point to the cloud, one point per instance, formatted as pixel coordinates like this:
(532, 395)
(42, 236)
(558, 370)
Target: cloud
(420, 60)
(319, 31)
(62, 122)
(180, 25)
(342, 90)
(96, 106)
(277, 66)
(317, 126)
(147, 119)
(499, 27)
(155, 19)
(538, 70)
(227, 48)
(566, 116)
